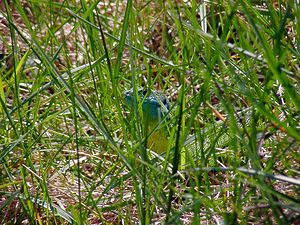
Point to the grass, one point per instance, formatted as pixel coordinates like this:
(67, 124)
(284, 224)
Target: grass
(71, 152)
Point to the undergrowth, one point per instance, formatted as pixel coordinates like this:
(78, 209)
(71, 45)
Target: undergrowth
(71, 152)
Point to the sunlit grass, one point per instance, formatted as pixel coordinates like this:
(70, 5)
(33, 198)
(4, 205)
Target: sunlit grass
(71, 152)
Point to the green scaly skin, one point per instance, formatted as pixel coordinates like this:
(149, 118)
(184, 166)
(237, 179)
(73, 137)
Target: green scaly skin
(155, 107)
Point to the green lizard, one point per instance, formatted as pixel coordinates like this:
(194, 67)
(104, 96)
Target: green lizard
(155, 107)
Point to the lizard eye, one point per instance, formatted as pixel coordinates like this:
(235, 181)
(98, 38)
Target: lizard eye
(166, 103)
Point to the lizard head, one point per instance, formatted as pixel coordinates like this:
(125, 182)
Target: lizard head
(155, 105)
